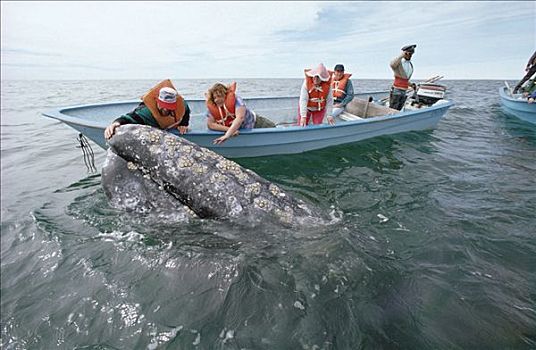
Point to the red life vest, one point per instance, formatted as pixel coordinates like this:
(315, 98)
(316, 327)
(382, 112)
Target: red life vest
(149, 99)
(317, 93)
(401, 83)
(338, 86)
(224, 115)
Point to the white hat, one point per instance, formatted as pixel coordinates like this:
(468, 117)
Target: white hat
(167, 98)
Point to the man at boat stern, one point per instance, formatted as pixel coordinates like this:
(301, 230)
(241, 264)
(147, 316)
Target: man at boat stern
(161, 107)
(403, 70)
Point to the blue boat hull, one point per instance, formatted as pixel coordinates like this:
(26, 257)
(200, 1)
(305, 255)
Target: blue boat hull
(91, 120)
(518, 107)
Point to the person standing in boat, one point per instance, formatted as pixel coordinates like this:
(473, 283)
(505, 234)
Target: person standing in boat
(342, 88)
(161, 107)
(403, 70)
(530, 69)
(316, 97)
(226, 111)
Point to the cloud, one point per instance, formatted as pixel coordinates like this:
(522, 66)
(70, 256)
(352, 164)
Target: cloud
(28, 52)
(60, 66)
(258, 39)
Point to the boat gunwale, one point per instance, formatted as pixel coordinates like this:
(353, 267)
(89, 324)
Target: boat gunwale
(502, 93)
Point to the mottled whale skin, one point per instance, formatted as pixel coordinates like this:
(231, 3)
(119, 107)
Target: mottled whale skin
(207, 183)
(128, 188)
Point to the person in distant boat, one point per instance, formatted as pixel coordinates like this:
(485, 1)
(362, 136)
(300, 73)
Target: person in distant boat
(403, 70)
(342, 89)
(530, 69)
(226, 111)
(531, 98)
(161, 107)
(316, 97)
(529, 86)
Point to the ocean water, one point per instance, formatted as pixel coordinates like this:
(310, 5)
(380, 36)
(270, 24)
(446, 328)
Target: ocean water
(435, 247)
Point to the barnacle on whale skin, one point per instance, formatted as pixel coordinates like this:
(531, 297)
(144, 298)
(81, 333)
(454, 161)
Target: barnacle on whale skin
(154, 136)
(185, 162)
(199, 169)
(132, 166)
(262, 203)
(253, 189)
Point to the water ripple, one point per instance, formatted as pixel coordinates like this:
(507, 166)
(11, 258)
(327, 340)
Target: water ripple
(434, 247)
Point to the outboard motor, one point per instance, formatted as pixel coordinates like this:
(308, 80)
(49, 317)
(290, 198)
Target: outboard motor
(428, 93)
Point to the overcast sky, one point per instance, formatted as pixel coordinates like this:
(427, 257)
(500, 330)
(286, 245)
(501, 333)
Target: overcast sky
(155, 40)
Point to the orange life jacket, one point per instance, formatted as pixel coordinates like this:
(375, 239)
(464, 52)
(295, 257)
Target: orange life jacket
(149, 99)
(317, 94)
(401, 83)
(338, 86)
(224, 115)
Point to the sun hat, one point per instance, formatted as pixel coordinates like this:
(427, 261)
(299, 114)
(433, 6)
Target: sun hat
(319, 71)
(167, 98)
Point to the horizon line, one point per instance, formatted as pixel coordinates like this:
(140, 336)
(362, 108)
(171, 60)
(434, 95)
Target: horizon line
(219, 79)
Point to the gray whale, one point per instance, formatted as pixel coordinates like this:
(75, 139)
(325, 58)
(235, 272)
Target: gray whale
(207, 183)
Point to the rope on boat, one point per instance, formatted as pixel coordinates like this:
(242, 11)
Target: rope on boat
(89, 156)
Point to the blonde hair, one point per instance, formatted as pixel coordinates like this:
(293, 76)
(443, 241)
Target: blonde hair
(218, 87)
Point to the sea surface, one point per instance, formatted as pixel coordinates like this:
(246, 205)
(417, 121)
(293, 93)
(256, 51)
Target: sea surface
(435, 246)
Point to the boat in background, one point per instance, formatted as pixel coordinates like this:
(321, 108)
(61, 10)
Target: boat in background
(517, 105)
(366, 119)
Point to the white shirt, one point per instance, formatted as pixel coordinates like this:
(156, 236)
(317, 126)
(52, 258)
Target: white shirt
(407, 67)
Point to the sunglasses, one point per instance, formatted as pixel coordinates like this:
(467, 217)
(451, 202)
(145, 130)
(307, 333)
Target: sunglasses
(165, 111)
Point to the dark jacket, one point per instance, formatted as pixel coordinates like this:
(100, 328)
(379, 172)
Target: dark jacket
(142, 115)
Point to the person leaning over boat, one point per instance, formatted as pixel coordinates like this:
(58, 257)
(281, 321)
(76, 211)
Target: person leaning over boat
(530, 69)
(528, 87)
(342, 88)
(161, 107)
(316, 97)
(403, 70)
(226, 111)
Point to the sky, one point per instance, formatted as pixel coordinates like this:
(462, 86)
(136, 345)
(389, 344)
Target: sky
(232, 40)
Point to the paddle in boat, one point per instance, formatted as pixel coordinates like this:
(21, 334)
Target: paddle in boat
(517, 104)
(366, 117)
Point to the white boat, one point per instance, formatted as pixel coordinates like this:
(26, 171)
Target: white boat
(286, 138)
(517, 105)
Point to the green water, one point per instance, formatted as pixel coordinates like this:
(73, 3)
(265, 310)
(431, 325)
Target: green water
(432, 247)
